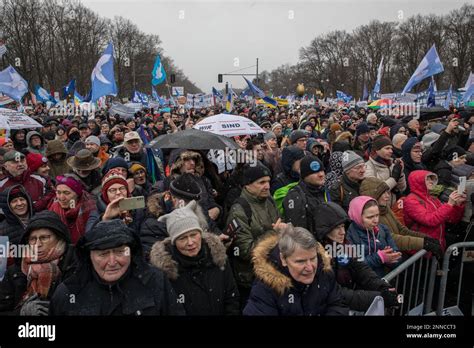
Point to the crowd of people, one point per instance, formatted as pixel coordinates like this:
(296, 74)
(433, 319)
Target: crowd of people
(254, 240)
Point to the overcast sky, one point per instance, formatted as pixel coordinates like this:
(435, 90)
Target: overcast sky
(205, 38)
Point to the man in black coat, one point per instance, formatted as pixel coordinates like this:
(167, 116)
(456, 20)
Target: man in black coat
(113, 278)
(301, 201)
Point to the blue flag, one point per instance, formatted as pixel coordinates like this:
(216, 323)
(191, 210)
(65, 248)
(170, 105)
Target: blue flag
(343, 96)
(103, 78)
(154, 94)
(88, 97)
(430, 65)
(431, 96)
(365, 93)
(12, 84)
(257, 91)
(469, 88)
(43, 95)
(379, 77)
(158, 73)
(217, 94)
(448, 97)
(69, 89)
(78, 97)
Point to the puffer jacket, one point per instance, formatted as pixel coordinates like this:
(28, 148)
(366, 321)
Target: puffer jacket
(426, 214)
(373, 240)
(205, 282)
(274, 286)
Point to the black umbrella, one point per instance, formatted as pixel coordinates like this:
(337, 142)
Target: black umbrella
(193, 139)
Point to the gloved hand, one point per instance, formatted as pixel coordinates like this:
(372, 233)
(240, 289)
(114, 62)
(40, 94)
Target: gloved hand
(389, 298)
(34, 306)
(431, 244)
(397, 171)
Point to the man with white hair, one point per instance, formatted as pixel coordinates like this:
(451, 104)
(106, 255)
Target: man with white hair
(397, 141)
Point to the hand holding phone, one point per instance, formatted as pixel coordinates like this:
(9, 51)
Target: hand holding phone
(232, 229)
(132, 203)
(462, 185)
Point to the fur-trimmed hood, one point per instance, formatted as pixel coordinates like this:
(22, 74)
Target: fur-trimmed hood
(176, 167)
(161, 258)
(269, 270)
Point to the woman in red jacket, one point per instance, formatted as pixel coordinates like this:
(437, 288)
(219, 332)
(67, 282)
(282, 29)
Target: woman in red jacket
(426, 214)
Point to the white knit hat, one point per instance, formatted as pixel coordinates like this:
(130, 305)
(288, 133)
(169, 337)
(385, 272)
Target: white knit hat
(181, 221)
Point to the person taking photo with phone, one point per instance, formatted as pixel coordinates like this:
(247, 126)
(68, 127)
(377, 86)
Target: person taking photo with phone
(115, 189)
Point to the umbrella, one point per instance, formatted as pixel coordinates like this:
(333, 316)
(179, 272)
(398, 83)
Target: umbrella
(12, 119)
(229, 125)
(381, 103)
(193, 139)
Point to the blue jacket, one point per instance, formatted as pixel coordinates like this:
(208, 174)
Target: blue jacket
(275, 293)
(372, 243)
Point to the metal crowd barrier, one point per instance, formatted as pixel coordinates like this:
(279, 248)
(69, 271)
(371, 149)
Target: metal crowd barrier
(419, 267)
(452, 249)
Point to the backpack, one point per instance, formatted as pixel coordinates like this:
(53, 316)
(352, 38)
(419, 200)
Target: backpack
(280, 195)
(246, 207)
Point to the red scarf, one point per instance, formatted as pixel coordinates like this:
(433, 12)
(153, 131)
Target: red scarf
(42, 272)
(75, 218)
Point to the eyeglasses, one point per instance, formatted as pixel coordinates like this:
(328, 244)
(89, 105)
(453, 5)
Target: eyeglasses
(42, 239)
(114, 190)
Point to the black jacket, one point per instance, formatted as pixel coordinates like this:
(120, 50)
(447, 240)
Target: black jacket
(344, 191)
(359, 283)
(142, 290)
(12, 227)
(204, 283)
(300, 204)
(152, 230)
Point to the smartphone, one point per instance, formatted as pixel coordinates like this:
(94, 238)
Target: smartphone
(132, 203)
(232, 229)
(462, 185)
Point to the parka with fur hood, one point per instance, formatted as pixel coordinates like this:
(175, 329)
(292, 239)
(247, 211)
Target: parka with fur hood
(274, 286)
(205, 282)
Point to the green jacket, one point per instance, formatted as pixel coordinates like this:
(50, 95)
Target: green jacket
(264, 214)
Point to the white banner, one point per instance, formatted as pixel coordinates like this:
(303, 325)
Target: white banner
(199, 101)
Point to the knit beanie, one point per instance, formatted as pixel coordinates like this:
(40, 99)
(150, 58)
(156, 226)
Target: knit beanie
(380, 142)
(310, 164)
(35, 160)
(185, 187)
(113, 176)
(350, 159)
(181, 221)
(70, 182)
(362, 129)
(135, 167)
(253, 173)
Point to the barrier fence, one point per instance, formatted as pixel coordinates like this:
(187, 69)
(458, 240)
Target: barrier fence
(417, 273)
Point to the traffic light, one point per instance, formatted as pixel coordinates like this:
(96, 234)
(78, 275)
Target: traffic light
(172, 78)
(219, 78)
